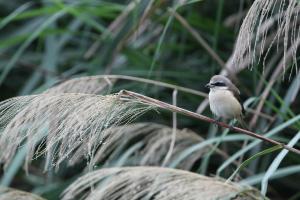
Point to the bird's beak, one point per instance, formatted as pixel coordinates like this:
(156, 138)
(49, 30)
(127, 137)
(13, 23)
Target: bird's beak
(208, 85)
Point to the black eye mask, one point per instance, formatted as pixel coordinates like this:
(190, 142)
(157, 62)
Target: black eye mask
(220, 84)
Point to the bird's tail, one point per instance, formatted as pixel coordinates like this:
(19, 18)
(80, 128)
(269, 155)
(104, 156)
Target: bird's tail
(242, 122)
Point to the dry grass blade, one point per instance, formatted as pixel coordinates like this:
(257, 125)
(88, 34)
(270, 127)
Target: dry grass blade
(154, 183)
(155, 139)
(199, 39)
(12, 194)
(258, 25)
(96, 84)
(86, 85)
(112, 28)
(58, 125)
(275, 75)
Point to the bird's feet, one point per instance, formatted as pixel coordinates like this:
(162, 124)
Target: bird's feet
(231, 124)
(216, 121)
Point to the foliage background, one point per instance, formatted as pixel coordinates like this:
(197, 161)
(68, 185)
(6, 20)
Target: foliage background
(46, 42)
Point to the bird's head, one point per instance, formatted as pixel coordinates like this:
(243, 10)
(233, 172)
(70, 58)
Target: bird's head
(218, 82)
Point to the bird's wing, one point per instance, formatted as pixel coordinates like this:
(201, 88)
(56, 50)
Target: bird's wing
(236, 94)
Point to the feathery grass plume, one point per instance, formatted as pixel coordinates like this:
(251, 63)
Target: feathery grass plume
(57, 125)
(259, 24)
(154, 183)
(13, 194)
(150, 142)
(86, 85)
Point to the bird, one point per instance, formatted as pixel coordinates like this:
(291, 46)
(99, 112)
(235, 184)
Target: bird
(224, 99)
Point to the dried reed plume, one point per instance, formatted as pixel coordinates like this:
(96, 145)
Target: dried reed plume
(258, 27)
(13, 194)
(59, 125)
(86, 85)
(154, 183)
(148, 144)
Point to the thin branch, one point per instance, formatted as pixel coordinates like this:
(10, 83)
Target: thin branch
(163, 105)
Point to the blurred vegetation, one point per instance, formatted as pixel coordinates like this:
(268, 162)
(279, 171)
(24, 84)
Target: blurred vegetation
(184, 42)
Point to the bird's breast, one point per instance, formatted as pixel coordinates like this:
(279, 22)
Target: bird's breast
(224, 104)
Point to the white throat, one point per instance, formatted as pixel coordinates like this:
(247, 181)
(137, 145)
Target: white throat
(214, 89)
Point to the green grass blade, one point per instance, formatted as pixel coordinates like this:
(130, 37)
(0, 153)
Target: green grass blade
(32, 37)
(275, 164)
(218, 23)
(158, 47)
(125, 157)
(192, 1)
(14, 14)
(82, 16)
(38, 12)
(74, 26)
(283, 172)
(205, 161)
(14, 167)
(249, 160)
(203, 144)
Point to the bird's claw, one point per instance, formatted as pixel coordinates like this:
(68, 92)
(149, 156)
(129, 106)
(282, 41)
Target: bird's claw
(216, 122)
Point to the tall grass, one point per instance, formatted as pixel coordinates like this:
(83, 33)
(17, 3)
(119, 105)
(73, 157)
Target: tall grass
(60, 121)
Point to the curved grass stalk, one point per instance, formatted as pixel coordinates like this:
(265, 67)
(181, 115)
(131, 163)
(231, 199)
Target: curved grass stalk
(249, 160)
(92, 83)
(174, 130)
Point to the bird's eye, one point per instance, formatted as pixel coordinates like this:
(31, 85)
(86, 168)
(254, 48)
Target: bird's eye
(220, 84)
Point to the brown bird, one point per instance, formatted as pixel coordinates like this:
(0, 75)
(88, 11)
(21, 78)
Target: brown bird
(224, 99)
